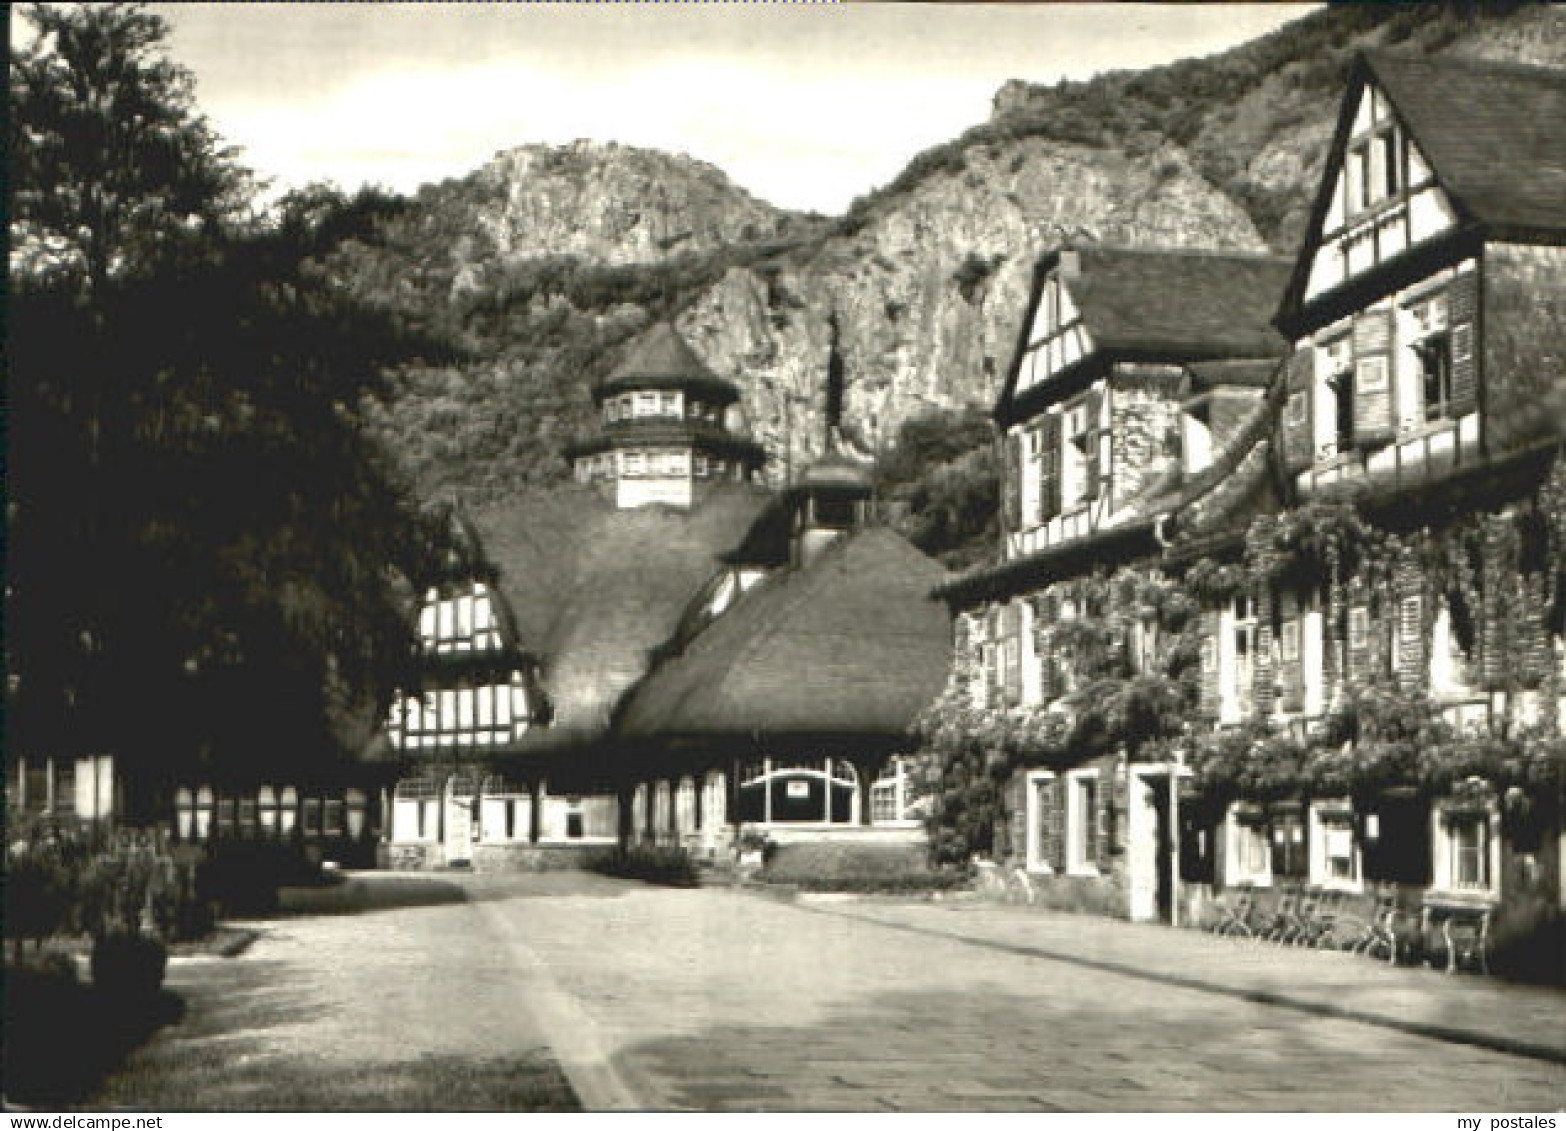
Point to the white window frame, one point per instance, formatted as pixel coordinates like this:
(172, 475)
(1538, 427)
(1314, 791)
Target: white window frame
(1235, 869)
(1443, 846)
(1334, 813)
(1078, 822)
(1034, 835)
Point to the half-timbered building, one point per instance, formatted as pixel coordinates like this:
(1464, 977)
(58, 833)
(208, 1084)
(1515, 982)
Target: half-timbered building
(783, 706)
(1321, 649)
(1139, 381)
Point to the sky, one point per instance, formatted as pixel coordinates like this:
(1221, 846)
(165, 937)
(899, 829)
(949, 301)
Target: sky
(806, 105)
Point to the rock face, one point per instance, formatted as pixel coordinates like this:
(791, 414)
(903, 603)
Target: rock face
(550, 258)
(613, 204)
(927, 295)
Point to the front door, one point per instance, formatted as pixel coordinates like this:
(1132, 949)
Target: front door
(1147, 852)
(459, 830)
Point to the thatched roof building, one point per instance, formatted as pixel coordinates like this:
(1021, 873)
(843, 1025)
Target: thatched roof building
(841, 652)
(599, 589)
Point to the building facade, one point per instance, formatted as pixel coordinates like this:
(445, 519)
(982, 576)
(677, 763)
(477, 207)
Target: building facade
(1332, 658)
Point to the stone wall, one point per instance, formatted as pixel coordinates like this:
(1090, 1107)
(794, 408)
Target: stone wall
(1144, 421)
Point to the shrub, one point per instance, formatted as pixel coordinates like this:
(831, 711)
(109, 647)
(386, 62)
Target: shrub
(671, 867)
(242, 877)
(127, 968)
(1528, 943)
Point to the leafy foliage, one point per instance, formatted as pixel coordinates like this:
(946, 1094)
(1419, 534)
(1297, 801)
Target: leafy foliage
(204, 540)
(940, 484)
(108, 156)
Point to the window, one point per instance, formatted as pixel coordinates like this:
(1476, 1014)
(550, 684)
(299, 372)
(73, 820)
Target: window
(1469, 845)
(1358, 626)
(669, 404)
(1289, 859)
(1043, 820)
(1373, 166)
(646, 404)
(1249, 855)
(1336, 861)
(1245, 632)
(635, 464)
(1289, 641)
(1083, 818)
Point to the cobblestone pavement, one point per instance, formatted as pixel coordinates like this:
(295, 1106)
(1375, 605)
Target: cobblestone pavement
(719, 1000)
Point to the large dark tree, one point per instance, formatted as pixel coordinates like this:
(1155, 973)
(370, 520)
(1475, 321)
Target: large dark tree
(207, 556)
(108, 155)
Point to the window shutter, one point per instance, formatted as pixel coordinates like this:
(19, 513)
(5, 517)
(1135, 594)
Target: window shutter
(1373, 417)
(1358, 641)
(1049, 467)
(1043, 620)
(1291, 665)
(1103, 831)
(1209, 701)
(1298, 436)
(1094, 471)
(1263, 677)
(1011, 481)
(1054, 802)
(1017, 823)
(1011, 640)
(1462, 306)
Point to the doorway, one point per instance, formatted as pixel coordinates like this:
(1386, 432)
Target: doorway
(1150, 847)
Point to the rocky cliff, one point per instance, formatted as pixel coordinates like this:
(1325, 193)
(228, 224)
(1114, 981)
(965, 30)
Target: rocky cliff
(546, 260)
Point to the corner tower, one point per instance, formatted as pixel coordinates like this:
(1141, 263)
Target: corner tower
(663, 433)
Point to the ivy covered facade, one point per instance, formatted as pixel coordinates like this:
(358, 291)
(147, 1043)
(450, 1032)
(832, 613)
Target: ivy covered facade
(1294, 613)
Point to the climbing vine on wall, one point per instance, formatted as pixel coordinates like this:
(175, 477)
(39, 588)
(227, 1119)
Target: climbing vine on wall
(1498, 580)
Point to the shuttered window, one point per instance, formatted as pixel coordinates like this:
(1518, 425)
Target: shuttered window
(1209, 683)
(1374, 421)
(1049, 468)
(1358, 642)
(1462, 305)
(1011, 481)
(1408, 657)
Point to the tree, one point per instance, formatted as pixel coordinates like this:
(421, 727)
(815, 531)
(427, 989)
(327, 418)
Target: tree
(209, 558)
(108, 155)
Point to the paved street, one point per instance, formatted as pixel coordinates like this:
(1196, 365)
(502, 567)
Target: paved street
(721, 1000)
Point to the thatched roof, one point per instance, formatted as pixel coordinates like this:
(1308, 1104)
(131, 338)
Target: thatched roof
(599, 589)
(851, 646)
(659, 358)
(1491, 130)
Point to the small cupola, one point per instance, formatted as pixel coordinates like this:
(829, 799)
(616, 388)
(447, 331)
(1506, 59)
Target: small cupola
(665, 431)
(832, 498)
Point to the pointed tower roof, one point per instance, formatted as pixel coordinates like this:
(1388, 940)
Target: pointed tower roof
(659, 358)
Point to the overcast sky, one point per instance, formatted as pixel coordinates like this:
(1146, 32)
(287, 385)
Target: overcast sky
(806, 105)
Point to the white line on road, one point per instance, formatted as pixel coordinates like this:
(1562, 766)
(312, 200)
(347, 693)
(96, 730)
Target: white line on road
(573, 1035)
